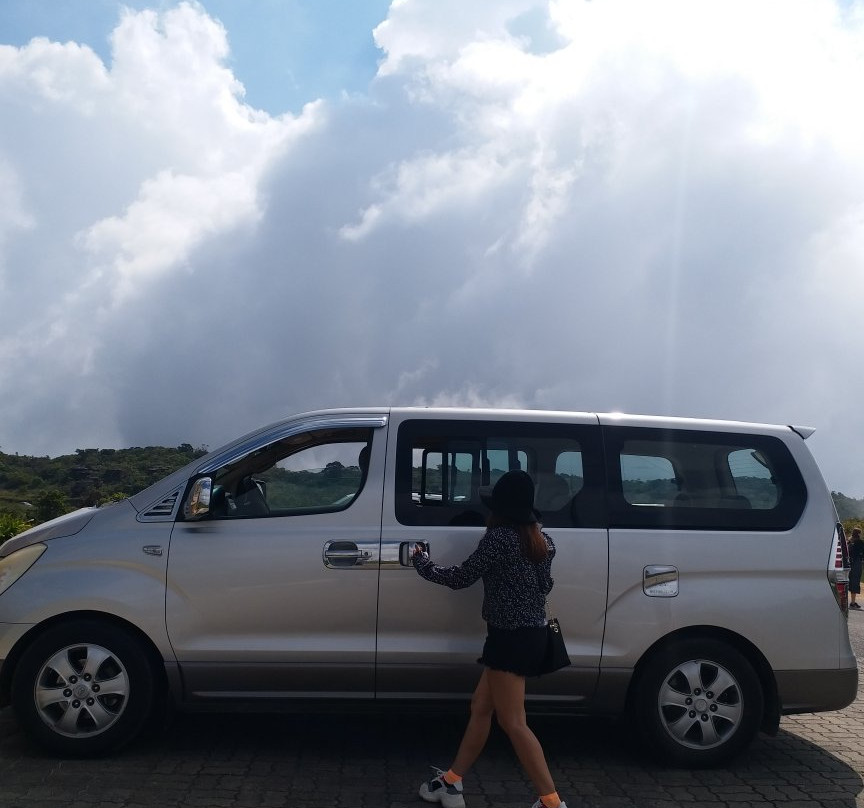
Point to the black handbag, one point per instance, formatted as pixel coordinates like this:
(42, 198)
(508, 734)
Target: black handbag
(555, 657)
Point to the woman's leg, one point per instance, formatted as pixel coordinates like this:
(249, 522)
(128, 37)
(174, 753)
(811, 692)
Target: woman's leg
(477, 731)
(508, 698)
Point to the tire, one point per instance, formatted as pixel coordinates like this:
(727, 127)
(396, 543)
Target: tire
(698, 703)
(83, 688)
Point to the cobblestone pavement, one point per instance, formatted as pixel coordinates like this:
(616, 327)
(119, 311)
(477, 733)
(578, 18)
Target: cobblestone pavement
(316, 761)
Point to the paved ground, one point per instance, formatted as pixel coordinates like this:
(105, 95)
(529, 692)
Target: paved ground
(243, 761)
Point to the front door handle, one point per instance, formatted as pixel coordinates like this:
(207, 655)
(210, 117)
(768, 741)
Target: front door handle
(346, 554)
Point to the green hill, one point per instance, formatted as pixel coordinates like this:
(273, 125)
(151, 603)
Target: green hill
(40, 488)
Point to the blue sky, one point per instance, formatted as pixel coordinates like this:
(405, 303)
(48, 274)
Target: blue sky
(285, 52)
(560, 204)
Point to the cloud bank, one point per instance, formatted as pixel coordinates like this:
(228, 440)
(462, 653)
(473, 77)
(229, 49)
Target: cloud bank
(605, 205)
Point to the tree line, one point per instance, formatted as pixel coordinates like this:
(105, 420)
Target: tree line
(36, 489)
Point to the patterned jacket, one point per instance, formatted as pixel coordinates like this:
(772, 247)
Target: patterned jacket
(514, 588)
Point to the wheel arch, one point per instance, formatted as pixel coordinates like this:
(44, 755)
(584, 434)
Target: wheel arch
(156, 659)
(770, 720)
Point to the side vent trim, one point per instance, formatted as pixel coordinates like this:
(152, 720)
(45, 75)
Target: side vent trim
(161, 511)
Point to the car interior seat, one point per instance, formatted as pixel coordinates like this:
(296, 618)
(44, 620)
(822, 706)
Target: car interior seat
(250, 499)
(552, 493)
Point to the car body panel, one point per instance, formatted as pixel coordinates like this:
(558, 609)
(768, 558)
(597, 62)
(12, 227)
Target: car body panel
(115, 567)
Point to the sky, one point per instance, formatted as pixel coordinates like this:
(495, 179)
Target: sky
(217, 214)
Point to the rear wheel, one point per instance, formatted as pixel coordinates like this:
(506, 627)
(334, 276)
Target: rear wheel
(698, 703)
(84, 688)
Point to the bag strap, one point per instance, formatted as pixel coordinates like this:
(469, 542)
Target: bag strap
(549, 617)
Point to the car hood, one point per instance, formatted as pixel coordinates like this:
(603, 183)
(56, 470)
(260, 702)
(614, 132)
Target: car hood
(67, 525)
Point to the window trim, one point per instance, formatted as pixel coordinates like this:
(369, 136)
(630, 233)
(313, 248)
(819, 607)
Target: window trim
(238, 451)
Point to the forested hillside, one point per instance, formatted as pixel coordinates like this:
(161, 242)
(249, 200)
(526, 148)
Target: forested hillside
(848, 508)
(35, 489)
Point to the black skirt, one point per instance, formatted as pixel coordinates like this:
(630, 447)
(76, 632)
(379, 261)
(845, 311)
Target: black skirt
(514, 650)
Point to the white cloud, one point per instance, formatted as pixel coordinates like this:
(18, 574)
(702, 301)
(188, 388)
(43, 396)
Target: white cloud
(170, 217)
(14, 213)
(416, 34)
(605, 205)
(52, 73)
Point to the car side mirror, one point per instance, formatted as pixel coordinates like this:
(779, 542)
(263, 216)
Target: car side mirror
(197, 504)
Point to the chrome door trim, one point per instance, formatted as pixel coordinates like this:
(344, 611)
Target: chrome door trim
(293, 428)
(350, 555)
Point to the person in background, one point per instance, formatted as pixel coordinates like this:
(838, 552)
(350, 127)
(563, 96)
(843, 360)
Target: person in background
(514, 559)
(856, 556)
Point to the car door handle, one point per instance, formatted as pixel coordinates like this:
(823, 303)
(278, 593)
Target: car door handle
(345, 554)
(338, 555)
(406, 548)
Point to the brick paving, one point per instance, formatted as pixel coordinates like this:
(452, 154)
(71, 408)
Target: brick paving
(361, 761)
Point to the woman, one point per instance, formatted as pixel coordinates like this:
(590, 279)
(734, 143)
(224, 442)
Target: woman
(514, 559)
(856, 555)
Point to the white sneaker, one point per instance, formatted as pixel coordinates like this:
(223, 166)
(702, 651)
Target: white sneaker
(439, 790)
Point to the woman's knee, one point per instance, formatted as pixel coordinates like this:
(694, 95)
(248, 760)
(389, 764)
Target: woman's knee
(512, 722)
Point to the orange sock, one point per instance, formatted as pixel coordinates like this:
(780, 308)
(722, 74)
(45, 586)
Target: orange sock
(451, 778)
(551, 800)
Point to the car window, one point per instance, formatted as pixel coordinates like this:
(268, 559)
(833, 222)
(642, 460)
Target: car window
(647, 480)
(315, 472)
(442, 467)
(753, 478)
(673, 478)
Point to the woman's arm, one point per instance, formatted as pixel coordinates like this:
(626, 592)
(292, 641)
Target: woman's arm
(461, 575)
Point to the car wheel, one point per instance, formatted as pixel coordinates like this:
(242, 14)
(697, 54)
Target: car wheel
(699, 703)
(83, 688)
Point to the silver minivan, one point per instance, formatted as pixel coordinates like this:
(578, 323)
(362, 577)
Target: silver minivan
(700, 578)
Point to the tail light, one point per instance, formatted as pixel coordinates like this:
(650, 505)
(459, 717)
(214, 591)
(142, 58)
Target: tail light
(838, 569)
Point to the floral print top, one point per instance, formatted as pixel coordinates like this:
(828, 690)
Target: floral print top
(514, 588)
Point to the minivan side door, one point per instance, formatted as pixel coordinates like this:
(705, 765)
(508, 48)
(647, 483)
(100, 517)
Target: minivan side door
(275, 592)
(430, 637)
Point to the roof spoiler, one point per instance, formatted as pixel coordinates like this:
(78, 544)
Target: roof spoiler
(804, 431)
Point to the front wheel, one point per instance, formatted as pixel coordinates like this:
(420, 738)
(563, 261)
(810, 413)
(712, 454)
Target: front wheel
(83, 688)
(698, 703)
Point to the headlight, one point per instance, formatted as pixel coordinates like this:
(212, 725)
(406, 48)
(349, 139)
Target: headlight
(14, 566)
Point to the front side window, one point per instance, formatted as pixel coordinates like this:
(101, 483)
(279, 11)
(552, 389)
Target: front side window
(314, 472)
(671, 478)
(442, 467)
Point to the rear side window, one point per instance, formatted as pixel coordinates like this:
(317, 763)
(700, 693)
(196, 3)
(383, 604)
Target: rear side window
(694, 479)
(443, 465)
